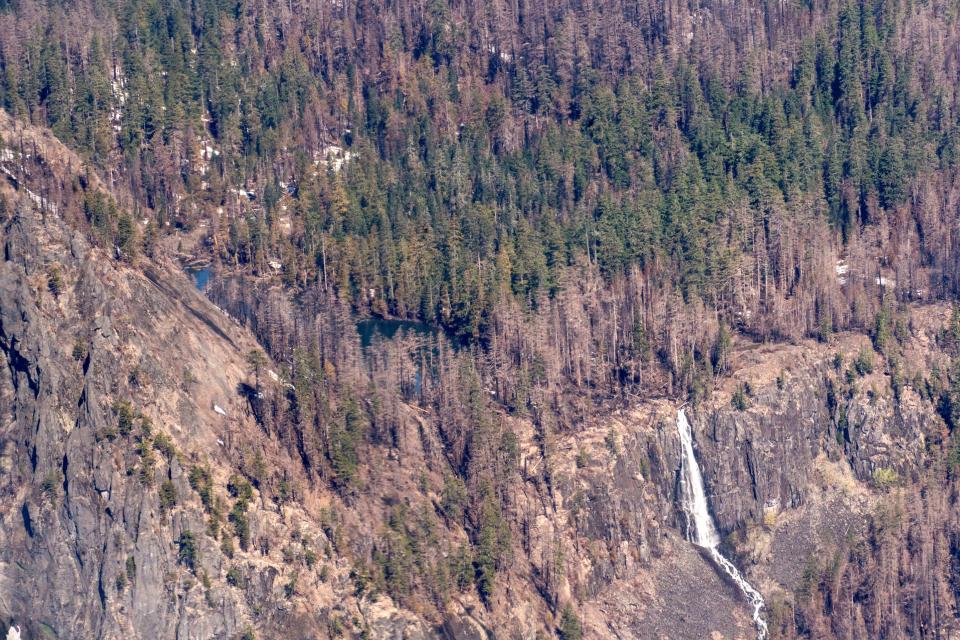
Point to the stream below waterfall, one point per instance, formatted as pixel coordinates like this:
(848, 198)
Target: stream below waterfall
(700, 527)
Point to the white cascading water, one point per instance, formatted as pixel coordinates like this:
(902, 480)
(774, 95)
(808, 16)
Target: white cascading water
(700, 528)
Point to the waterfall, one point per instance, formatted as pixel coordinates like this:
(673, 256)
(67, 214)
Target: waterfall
(700, 528)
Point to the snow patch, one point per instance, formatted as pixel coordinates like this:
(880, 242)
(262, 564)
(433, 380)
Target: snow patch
(503, 55)
(332, 157)
(842, 269)
(249, 195)
(37, 199)
(119, 89)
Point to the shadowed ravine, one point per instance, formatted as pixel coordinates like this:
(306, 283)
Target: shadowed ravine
(700, 528)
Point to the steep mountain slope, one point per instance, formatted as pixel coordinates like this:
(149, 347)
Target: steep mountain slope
(125, 398)
(148, 490)
(110, 388)
(127, 433)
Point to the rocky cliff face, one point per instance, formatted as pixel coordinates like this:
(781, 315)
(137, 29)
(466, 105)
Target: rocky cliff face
(828, 479)
(127, 432)
(835, 486)
(126, 438)
(94, 378)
